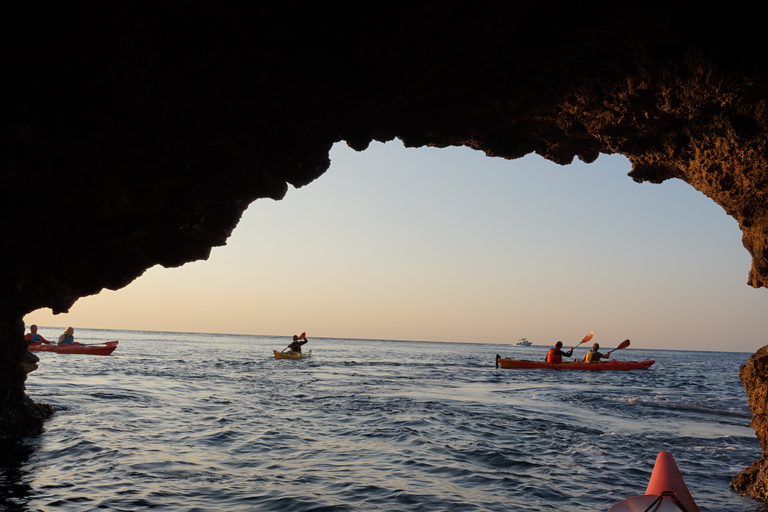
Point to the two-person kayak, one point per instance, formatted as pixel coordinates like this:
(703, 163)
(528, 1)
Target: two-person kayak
(666, 491)
(573, 365)
(101, 349)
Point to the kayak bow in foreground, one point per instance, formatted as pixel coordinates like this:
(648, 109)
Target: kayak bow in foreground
(289, 355)
(573, 365)
(103, 349)
(666, 491)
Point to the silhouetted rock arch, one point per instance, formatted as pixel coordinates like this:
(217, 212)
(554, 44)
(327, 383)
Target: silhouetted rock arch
(134, 135)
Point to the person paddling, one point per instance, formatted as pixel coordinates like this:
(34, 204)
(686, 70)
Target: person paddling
(555, 355)
(33, 337)
(593, 356)
(295, 346)
(67, 337)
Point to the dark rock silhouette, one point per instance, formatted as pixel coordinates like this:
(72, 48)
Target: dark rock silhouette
(753, 481)
(136, 134)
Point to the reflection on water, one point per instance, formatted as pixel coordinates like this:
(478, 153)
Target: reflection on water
(14, 475)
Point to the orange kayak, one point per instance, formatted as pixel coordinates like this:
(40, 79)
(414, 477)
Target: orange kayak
(666, 491)
(103, 349)
(573, 365)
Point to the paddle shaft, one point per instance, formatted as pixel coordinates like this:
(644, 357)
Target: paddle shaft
(586, 339)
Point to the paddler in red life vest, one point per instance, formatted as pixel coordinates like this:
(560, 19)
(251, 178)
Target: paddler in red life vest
(555, 355)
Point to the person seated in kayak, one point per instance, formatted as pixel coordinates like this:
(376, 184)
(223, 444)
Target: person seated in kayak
(593, 356)
(67, 337)
(33, 337)
(295, 346)
(555, 355)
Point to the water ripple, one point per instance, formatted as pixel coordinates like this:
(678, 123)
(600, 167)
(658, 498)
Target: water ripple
(180, 421)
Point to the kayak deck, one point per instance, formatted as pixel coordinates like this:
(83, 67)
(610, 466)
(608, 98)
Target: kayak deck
(103, 349)
(666, 491)
(281, 355)
(573, 365)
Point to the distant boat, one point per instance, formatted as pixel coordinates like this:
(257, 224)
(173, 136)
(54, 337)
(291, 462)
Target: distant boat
(524, 342)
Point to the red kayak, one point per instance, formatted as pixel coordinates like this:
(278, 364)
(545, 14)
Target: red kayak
(573, 365)
(103, 349)
(666, 491)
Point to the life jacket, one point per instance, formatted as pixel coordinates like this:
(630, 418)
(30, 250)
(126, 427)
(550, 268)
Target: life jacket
(589, 357)
(554, 358)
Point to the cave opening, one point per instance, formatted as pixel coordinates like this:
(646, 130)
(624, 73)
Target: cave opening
(473, 242)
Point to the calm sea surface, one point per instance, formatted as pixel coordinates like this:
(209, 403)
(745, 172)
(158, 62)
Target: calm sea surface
(210, 422)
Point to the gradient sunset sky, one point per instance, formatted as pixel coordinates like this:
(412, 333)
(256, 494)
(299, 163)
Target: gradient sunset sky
(450, 245)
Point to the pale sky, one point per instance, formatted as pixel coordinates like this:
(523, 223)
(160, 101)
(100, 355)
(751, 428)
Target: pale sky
(450, 245)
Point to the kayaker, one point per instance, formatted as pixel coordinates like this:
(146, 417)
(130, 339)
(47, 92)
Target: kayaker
(295, 346)
(555, 355)
(67, 337)
(593, 356)
(33, 337)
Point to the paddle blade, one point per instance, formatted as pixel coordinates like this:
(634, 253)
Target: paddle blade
(586, 339)
(623, 344)
(303, 335)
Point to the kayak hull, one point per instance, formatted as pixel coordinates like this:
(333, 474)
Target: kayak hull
(281, 355)
(574, 365)
(666, 491)
(95, 350)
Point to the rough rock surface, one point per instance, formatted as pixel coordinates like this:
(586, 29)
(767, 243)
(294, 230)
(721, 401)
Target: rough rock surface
(753, 481)
(19, 416)
(136, 134)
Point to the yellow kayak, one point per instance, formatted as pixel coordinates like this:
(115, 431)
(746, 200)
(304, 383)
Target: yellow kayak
(291, 355)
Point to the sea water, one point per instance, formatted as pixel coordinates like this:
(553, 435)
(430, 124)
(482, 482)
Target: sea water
(211, 422)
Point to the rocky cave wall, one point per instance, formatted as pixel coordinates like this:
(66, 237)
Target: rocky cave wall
(134, 135)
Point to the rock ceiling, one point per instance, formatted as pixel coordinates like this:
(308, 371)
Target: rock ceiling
(140, 138)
